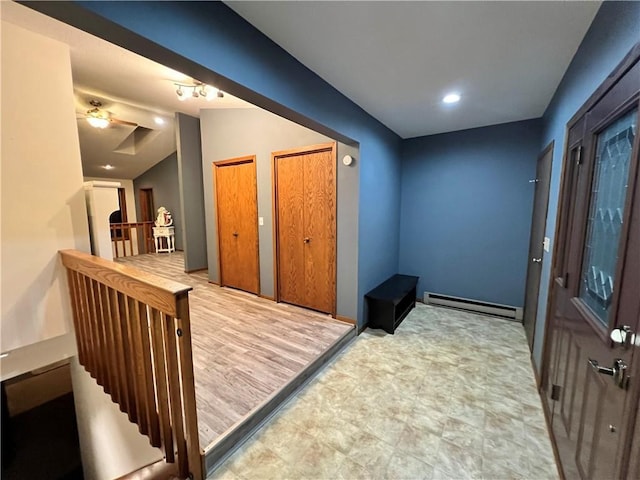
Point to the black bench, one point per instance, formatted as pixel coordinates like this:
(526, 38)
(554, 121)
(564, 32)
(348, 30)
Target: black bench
(391, 301)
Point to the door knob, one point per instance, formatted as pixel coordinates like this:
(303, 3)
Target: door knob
(235, 234)
(618, 371)
(536, 260)
(306, 240)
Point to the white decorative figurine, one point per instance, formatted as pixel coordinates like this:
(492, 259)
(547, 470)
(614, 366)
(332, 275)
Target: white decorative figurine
(164, 218)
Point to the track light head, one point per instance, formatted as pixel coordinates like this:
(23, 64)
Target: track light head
(220, 94)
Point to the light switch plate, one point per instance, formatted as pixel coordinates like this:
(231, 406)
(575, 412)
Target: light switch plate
(261, 221)
(546, 244)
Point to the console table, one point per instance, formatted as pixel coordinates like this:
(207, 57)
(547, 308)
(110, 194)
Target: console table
(169, 235)
(391, 301)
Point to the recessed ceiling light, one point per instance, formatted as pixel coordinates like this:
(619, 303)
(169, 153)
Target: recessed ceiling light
(451, 98)
(108, 167)
(159, 121)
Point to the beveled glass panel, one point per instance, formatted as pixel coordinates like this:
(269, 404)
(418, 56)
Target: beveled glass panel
(606, 214)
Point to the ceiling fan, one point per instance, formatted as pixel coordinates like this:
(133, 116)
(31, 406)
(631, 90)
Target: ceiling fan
(99, 118)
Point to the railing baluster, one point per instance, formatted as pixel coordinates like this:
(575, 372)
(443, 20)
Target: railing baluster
(97, 333)
(138, 365)
(149, 393)
(93, 367)
(162, 391)
(120, 356)
(78, 314)
(174, 394)
(102, 321)
(128, 227)
(125, 326)
(112, 354)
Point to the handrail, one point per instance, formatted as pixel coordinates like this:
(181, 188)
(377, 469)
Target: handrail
(133, 238)
(134, 337)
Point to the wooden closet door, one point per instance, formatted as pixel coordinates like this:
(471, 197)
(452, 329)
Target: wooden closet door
(236, 195)
(305, 200)
(320, 230)
(290, 230)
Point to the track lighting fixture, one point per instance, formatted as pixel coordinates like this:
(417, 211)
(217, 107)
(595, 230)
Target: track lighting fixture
(198, 89)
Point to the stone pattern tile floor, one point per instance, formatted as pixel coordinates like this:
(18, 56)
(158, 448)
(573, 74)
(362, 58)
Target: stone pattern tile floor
(450, 396)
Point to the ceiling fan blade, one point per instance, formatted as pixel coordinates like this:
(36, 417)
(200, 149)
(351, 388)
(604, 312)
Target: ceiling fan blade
(122, 122)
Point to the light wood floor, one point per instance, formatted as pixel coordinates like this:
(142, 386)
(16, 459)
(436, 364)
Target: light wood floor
(245, 347)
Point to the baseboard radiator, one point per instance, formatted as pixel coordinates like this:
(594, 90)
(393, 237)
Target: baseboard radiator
(476, 306)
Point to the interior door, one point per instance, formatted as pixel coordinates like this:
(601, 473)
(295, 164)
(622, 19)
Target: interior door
(147, 209)
(536, 250)
(305, 204)
(237, 210)
(319, 242)
(290, 230)
(595, 292)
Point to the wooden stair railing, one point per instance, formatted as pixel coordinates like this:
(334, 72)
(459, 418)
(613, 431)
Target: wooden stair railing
(129, 239)
(134, 337)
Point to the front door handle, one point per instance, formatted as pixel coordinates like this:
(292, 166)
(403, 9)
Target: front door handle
(618, 371)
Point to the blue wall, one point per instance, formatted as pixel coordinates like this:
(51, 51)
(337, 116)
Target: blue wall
(188, 36)
(614, 30)
(466, 211)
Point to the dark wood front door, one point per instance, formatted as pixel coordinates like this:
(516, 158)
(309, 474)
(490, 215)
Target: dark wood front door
(596, 290)
(237, 210)
(305, 200)
(536, 250)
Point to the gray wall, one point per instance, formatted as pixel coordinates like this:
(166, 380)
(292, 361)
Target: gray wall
(189, 153)
(233, 133)
(163, 178)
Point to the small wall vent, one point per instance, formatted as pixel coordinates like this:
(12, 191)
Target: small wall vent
(476, 306)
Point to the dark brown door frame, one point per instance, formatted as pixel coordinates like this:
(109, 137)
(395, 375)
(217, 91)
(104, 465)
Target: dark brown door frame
(572, 151)
(538, 224)
(147, 207)
(215, 166)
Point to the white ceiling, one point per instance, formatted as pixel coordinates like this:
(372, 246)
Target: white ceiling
(130, 87)
(398, 59)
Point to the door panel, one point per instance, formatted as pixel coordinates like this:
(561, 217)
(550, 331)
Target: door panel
(290, 229)
(237, 210)
(536, 250)
(596, 288)
(319, 227)
(305, 200)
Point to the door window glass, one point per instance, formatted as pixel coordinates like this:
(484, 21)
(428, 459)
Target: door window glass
(606, 214)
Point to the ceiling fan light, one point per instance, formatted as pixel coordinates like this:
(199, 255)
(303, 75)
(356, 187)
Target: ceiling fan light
(98, 122)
